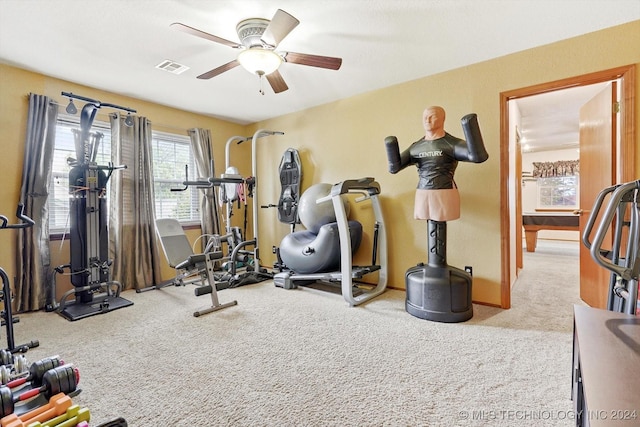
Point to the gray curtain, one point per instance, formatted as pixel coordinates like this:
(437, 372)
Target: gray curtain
(132, 237)
(203, 154)
(34, 259)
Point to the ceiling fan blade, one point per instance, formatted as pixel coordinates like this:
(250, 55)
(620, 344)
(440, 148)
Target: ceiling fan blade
(281, 24)
(221, 69)
(313, 60)
(277, 82)
(195, 32)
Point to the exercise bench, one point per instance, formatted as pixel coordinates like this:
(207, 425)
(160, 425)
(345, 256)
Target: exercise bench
(188, 264)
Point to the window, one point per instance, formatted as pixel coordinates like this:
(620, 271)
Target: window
(171, 153)
(560, 192)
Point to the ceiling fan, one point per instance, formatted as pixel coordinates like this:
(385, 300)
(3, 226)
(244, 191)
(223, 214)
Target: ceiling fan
(259, 38)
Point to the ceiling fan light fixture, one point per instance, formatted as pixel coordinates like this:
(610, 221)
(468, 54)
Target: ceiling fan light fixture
(259, 61)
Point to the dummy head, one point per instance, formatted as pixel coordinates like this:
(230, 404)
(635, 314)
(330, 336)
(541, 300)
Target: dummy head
(433, 122)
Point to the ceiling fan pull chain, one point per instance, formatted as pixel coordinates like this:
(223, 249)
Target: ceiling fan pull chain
(260, 78)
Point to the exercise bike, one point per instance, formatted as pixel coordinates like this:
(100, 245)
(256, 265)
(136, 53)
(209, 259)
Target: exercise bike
(7, 317)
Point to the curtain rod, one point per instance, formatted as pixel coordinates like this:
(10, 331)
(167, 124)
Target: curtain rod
(97, 103)
(105, 116)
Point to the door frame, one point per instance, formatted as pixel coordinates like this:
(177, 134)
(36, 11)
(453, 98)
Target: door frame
(626, 170)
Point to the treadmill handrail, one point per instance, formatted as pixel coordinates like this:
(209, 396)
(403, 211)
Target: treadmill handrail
(369, 184)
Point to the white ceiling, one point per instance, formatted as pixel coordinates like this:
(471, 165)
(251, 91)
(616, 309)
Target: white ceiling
(551, 121)
(115, 45)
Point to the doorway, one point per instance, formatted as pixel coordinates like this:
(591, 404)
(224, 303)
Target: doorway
(511, 160)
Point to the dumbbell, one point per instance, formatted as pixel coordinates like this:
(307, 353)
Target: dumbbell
(10, 362)
(34, 373)
(8, 358)
(57, 406)
(18, 368)
(62, 379)
(73, 417)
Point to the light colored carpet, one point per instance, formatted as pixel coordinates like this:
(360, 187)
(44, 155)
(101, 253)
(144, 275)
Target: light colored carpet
(304, 358)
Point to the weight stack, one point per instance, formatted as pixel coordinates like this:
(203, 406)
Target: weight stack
(437, 291)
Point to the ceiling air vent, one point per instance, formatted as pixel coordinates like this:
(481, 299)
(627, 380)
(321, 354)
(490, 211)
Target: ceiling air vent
(172, 67)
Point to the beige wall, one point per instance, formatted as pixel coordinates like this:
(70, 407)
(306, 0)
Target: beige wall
(15, 85)
(344, 140)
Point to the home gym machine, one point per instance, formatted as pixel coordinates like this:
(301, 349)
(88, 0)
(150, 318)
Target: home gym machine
(94, 291)
(240, 265)
(256, 273)
(320, 255)
(622, 216)
(7, 317)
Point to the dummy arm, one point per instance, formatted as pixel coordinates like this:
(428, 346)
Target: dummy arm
(474, 150)
(397, 161)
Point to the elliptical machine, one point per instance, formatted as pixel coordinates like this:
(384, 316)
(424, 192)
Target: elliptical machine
(94, 291)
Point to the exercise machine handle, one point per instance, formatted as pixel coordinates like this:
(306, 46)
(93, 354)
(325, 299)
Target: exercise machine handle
(597, 205)
(607, 219)
(25, 220)
(209, 182)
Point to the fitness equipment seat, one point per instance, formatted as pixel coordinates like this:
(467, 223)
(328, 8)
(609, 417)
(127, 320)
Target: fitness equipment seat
(623, 214)
(188, 264)
(309, 256)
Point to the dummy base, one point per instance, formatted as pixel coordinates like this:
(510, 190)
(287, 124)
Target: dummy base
(439, 293)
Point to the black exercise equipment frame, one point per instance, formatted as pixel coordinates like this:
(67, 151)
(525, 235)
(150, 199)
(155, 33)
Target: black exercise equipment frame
(94, 291)
(7, 316)
(622, 212)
